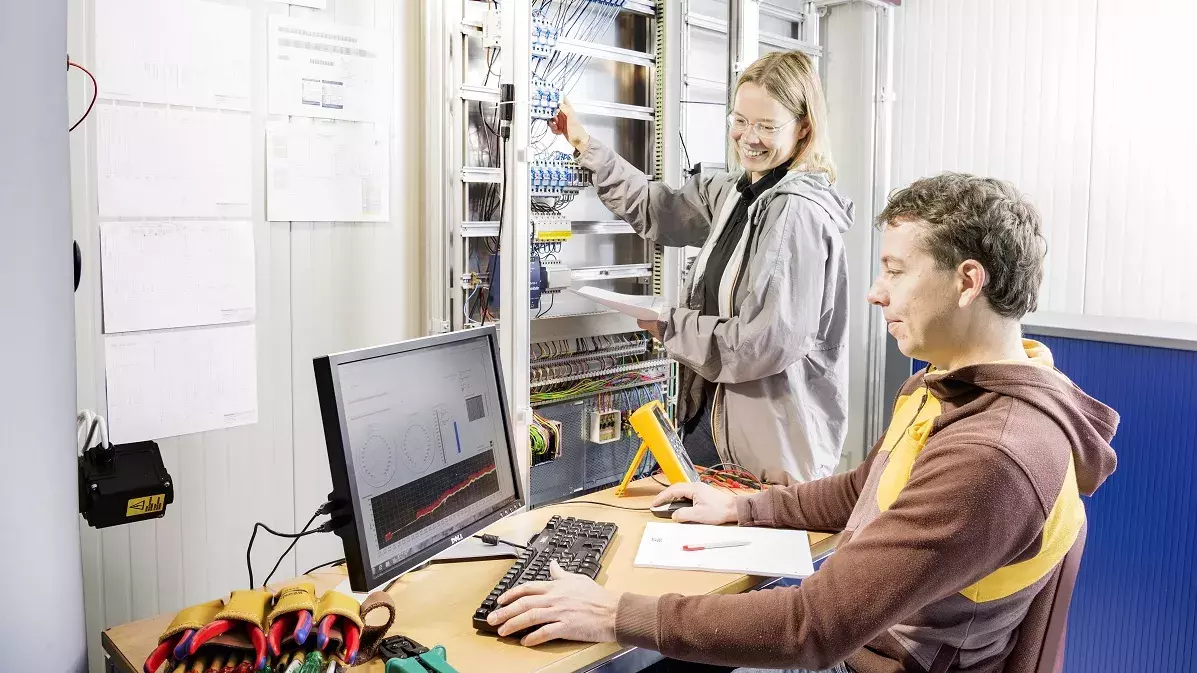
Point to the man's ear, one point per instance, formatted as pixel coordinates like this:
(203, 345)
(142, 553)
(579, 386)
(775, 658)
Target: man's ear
(970, 281)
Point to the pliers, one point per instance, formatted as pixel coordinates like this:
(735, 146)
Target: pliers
(404, 655)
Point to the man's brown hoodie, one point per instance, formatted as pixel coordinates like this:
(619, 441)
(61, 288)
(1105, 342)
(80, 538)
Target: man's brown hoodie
(960, 515)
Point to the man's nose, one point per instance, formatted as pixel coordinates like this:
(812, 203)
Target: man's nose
(877, 296)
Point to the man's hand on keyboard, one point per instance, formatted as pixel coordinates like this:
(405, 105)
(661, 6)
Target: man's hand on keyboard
(710, 505)
(569, 607)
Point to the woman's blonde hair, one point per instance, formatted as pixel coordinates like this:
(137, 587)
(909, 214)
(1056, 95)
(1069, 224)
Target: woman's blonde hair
(790, 78)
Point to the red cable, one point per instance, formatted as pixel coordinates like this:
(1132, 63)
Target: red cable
(95, 92)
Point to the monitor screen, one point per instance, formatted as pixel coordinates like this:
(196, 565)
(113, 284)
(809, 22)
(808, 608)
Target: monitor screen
(419, 445)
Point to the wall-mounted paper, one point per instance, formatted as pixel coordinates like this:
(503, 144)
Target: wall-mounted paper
(326, 70)
(163, 384)
(327, 172)
(182, 52)
(156, 162)
(157, 275)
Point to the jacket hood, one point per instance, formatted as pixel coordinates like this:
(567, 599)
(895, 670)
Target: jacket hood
(1088, 424)
(815, 188)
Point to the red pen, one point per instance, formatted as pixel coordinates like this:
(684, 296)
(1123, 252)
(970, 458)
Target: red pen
(714, 545)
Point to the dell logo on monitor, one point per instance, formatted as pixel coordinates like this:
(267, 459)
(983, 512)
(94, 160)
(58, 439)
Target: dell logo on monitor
(456, 538)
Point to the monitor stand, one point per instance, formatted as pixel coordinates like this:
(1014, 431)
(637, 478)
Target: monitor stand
(473, 549)
(469, 549)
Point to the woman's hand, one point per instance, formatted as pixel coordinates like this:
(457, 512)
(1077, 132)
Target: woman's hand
(566, 124)
(710, 505)
(653, 327)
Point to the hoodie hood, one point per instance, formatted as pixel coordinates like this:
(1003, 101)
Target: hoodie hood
(815, 188)
(1088, 424)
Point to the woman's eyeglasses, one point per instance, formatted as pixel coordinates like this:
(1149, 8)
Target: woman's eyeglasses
(739, 125)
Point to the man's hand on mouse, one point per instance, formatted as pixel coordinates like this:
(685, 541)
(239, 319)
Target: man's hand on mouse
(710, 504)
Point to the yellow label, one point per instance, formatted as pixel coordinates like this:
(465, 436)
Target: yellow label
(147, 505)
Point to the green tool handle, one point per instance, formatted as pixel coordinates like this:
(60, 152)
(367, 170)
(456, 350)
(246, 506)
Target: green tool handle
(398, 665)
(437, 661)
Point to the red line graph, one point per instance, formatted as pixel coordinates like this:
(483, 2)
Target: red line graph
(443, 498)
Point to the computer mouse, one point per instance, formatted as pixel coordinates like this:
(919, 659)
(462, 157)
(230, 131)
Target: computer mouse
(666, 511)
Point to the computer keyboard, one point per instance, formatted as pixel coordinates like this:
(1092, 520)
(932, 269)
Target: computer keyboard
(577, 544)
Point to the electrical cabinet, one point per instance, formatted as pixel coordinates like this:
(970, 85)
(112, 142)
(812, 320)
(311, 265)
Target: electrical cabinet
(515, 221)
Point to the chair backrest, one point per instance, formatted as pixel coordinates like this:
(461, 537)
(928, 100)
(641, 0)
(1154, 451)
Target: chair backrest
(1040, 646)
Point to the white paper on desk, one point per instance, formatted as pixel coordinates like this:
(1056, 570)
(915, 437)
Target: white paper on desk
(158, 275)
(772, 552)
(327, 172)
(176, 382)
(181, 52)
(158, 162)
(327, 70)
(641, 307)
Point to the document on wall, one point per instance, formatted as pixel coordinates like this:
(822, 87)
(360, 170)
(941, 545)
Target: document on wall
(158, 275)
(181, 52)
(327, 70)
(641, 307)
(158, 162)
(767, 552)
(176, 382)
(319, 171)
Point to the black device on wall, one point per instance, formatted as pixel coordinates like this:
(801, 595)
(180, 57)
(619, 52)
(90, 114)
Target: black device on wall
(123, 483)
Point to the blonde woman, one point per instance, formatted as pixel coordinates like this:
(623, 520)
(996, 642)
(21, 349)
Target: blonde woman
(763, 330)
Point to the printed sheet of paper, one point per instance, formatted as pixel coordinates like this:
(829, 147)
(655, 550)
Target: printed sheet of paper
(158, 275)
(327, 172)
(156, 162)
(176, 382)
(327, 70)
(769, 552)
(641, 307)
(181, 52)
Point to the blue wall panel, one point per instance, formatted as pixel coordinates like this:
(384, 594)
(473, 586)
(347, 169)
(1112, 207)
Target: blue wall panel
(1135, 606)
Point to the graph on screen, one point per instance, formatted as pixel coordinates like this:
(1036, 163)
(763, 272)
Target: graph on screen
(402, 510)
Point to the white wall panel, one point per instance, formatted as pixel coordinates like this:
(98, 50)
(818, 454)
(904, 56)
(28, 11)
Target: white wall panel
(1141, 224)
(321, 287)
(1080, 103)
(1004, 88)
(850, 87)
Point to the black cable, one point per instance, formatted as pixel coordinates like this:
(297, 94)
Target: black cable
(489, 539)
(545, 311)
(95, 423)
(716, 466)
(324, 565)
(326, 508)
(685, 151)
(288, 551)
(95, 92)
(596, 502)
(499, 242)
(704, 102)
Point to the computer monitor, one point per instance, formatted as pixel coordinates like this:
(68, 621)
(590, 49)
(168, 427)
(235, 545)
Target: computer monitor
(420, 447)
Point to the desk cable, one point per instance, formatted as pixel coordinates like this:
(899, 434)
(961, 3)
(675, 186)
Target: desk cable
(325, 527)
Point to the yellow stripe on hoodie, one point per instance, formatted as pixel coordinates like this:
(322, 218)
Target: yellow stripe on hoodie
(914, 416)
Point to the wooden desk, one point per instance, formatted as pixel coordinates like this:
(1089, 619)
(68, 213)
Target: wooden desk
(435, 604)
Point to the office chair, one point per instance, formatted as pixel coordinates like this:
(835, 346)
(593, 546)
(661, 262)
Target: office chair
(1040, 646)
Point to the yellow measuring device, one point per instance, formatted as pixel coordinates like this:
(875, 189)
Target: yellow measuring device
(658, 435)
